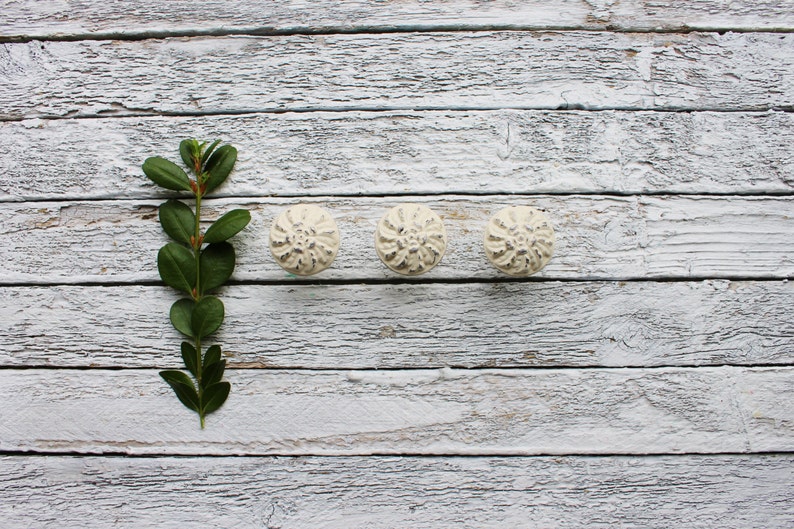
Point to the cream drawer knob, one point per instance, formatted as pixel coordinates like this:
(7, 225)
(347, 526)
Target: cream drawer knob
(519, 240)
(304, 239)
(410, 239)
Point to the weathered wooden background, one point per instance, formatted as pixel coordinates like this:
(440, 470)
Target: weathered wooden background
(644, 379)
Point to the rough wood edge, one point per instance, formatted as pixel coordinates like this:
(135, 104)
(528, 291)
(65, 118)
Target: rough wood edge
(598, 237)
(404, 326)
(156, 19)
(432, 152)
(430, 412)
(388, 492)
(696, 71)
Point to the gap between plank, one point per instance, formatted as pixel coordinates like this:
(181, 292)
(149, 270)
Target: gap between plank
(415, 281)
(439, 194)
(377, 455)
(141, 113)
(407, 368)
(372, 30)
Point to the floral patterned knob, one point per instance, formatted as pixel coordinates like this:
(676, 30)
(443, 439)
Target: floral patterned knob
(519, 240)
(304, 239)
(410, 239)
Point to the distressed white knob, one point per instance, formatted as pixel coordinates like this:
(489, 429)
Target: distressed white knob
(519, 240)
(304, 239)
(410, 239)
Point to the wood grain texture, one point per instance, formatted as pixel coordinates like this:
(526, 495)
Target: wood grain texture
(389, 492)
(404, 326)
(597, 238)
(590, 70)
(439, 412)
(354, 153)
(148, 17)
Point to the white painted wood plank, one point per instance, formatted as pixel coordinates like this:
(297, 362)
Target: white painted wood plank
(439, 412)
(421, 325)
(591, 70)
(389, 492)
(597, 238)
(152, 17)
(352, 153)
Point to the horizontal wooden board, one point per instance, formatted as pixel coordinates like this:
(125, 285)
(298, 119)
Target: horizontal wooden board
(389, 492)
(590, 70)
(597, 238)
(354, 153)
(422, 325)
(439, 412)
(150, 17)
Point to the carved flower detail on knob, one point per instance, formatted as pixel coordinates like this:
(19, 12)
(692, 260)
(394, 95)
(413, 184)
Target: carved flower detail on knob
(410, 239)
(304, 239)
(519, 240)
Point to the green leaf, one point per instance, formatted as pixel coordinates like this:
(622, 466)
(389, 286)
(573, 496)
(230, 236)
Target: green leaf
(183, 387)
(219, 165)
(209, 151)
(177, 266)
(181, 312)
(177, 220)
(214, 396)
(212, 373)
(217, 265)
(190, 359)
(189, 151)
(227, 226)
(166, 174)
(207, 316)
(212, 355)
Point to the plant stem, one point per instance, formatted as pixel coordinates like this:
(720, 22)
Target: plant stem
(197, 253)
(197, 245)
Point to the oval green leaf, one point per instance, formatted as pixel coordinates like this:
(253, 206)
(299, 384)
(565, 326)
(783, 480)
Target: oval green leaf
(212, 355)
(217, 265)
(178, 220)
(166, 174)
(227, 226)
(212, 373)
(181, 313)
(219, 165)
(177, 267)
(214, 396)
(189, 151)
(183, 387)
(208, 152)
(190, 358)
(207, 316)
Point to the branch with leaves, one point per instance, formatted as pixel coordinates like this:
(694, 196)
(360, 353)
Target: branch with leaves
(197, 263)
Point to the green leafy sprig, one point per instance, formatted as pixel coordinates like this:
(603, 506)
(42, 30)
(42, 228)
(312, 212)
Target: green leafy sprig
(197, 263)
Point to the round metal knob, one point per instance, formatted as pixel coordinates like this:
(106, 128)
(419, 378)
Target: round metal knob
(410, 239)
(304, 239)
(519, 240)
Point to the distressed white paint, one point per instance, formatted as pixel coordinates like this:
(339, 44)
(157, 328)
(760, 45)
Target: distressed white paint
(401, 151)
(441, 411)
(597, 237)
(389, 492)
(413, 152)
(148, 17)
(592, 70)
(419, 325)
